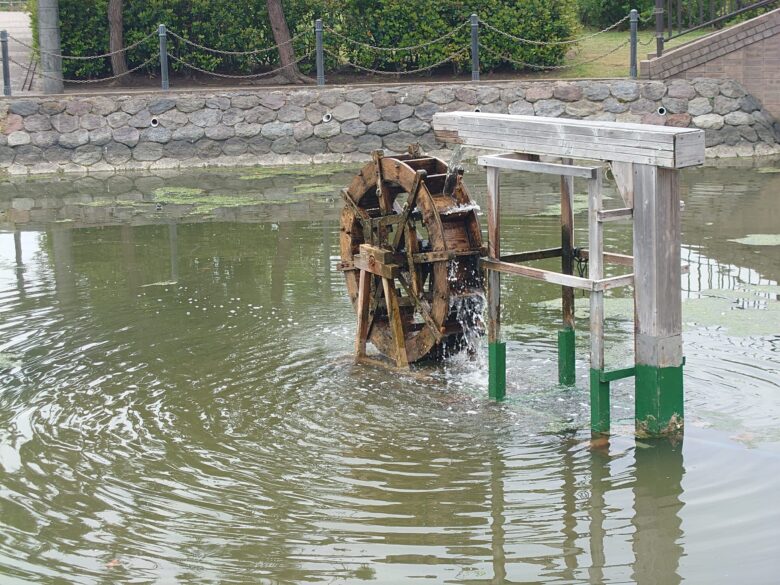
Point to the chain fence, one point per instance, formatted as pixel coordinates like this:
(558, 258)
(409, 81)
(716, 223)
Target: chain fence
(339, 48)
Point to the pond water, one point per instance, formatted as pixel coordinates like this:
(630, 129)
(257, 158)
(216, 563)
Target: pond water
(178, 402)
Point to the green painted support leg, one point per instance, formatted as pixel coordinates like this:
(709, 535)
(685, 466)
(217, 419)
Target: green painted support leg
(659, 401)
(566, 357)
(497, 370)
(599, 402)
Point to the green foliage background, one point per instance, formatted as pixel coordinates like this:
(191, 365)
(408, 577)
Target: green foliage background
(231, 25)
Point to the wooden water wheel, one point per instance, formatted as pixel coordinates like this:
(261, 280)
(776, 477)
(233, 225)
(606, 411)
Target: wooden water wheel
(410, 247)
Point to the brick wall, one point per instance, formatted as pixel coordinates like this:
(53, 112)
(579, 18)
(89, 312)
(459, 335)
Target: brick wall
(748, 53)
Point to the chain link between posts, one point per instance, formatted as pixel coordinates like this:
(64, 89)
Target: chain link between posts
(521, 40)
(444, 37)
(389, 73)
(552, 67)
(238, 53)
(83, 58)
(128, 72)
(250, 76)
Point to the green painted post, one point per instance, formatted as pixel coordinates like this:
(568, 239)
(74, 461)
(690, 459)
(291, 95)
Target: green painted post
(566, 357)
(599, 402)
(659, 400)
(497, 370)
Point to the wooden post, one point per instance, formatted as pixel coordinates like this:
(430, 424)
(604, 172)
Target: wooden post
(566, 355)
(599, 390)
(364, 295)
(496, 349)
(657, 300)
(396, 324)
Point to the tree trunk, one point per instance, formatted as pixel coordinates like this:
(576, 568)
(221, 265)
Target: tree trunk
(116, 36)
(282, 39)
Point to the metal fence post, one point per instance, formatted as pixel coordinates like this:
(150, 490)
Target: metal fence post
(6, 63)
(320, 57)
(634, 18)
(659, 27)
(474, 47)
(163, 55)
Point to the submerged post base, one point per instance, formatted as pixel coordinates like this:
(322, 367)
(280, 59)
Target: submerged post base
(599, 402)
(566, 375)
(497, 370)
(659, 401)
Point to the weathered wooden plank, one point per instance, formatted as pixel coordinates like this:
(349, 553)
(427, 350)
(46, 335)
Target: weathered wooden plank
(364, 295)
(384, 270)
(555, 146)
(396, 323)
(443, 256)
(509, 161)
(494, 252)
(631, 143)
(615, 214)
(537, 274)
(567, 245)
(611, 258)
(657, 266)
(613, 282)
(624, 179)
(419, 176)
(596, 272)
(532, 255)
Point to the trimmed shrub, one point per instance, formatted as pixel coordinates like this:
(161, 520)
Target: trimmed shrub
(244, 26)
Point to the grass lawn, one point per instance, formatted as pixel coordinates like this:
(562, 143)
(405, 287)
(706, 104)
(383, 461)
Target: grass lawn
(616, 64)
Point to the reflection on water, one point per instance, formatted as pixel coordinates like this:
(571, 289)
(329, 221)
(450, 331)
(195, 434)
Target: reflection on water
(178, 404)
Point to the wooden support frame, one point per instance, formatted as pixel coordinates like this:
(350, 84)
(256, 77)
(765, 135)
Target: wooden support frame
(644, 160)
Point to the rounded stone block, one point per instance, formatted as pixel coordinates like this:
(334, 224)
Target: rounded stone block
(679, 120)
(126, 135)
(142, 119)
(369, 113)
(244, 102)
(190, 133)
(208, 149)
(276, 130)
(731, 89)
(441, 95)
(303, 130)
(345, 111)
(314, 145)
(64, 123)
(538, 92)
(173, 119)
(675, 105)
(116, 153)
(133, 105)
(699, 106)
(159, 135)
(87, 155)
(190, 104)
(738, 118)
(259, 145)
(397, 112)
(723, 105)
(550, 108)
(205, 118)
(354, 128)
(260, 115)
(19, 138)
(486, 95)
(218, 102)
(582, 109)
(290, 113)
(358, 96)
(414, 126)
(160, 106)
(327, 129)
(398, 141)
(57, 154)
(37, 123)
(74, 139)
(625, 91)
(426, 111)
(521, 108)
(115, 120)
(246, 130)
(53, 107)
(708, 122)
(381, 128)
(28, 155)
(342, 143)
(220, 132)
(368, 143)
(234, 146)
(681, 89)
(23, 107)
(92, 121)
(273, 100)
(596, 91)
(383, 99)
(233, 116)
(180, 149)
(45, 139)
(100, 136)
(567, 92)
(284, 145)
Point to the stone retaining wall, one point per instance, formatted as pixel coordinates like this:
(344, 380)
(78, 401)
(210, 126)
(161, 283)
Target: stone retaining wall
(81, 133)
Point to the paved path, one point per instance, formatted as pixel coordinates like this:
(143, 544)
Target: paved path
(18, 25)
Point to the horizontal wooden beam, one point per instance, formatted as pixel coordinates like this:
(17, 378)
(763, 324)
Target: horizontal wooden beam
(533, 255)
(444, 255)
(615, 214)
(556, 277)
(661, 146)
(610, 258)
(511, 162)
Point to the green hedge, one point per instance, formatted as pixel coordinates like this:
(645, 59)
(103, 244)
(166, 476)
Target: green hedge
(231, 25)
